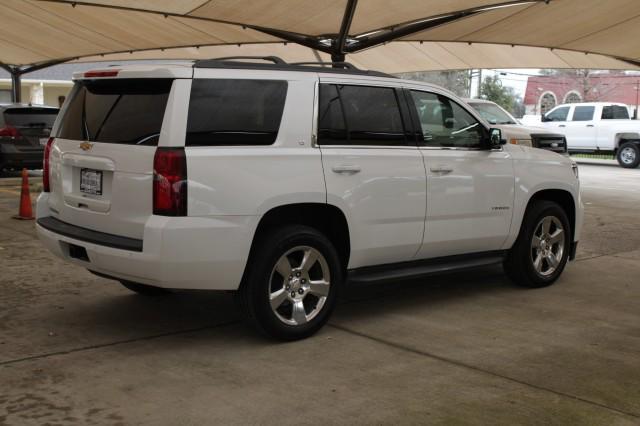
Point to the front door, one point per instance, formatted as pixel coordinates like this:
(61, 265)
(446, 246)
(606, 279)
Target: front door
(470, 188)
(373, 171)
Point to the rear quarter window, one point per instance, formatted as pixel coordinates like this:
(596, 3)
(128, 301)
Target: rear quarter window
(123, 111)
(30, 117)
(228, 112)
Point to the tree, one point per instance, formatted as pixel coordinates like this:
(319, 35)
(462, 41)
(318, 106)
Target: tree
(492, 90)
(458, 82)
(518, 110)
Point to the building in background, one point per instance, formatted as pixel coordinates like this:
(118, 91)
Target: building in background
(48, 86)
(546, 91)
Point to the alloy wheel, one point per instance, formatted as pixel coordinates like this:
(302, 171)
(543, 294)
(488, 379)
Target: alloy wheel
(547, 245)
(628, 155)
(299, 285)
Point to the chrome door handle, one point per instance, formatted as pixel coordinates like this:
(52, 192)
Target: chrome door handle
(441, 169)
(346, 169)
(562, 125)
(590, 125)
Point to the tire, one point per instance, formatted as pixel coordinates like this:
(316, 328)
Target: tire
(277, 275)
(521, 266)
(628, 155)
(143, 289)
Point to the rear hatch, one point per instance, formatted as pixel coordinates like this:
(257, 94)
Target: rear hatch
(102, 159)
(27, 127)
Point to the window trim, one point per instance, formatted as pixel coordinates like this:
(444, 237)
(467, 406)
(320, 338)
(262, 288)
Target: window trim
(407, 122)
(484, 146)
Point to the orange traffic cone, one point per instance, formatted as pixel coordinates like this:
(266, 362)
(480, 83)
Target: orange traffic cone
(26, 213)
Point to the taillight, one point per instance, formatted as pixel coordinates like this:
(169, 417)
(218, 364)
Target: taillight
(101, 73)
(46, 169)
(9, 132)
(170, 182)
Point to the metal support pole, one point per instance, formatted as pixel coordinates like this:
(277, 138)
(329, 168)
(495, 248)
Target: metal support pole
(337, 57)
(16, 88)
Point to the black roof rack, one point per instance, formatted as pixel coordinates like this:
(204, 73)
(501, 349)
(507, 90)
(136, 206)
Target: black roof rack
(274, 59)
(278, 64)
(345, 65)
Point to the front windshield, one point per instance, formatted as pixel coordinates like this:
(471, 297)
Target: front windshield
(493, 113)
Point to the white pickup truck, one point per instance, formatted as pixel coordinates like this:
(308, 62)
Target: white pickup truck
(598, 127)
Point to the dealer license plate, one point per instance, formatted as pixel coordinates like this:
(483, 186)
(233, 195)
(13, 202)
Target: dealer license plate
(91, 181)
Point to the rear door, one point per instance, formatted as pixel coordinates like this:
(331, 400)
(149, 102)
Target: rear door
(102, 157)
(580, 130)
(373, 170)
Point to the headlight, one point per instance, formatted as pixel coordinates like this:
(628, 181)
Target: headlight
(524, 142)
(574, 167)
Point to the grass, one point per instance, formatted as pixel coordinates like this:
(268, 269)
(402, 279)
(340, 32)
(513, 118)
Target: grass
(595, 156)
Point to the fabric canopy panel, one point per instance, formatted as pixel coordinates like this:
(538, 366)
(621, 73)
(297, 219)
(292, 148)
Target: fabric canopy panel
(396, 57)
(380, 34)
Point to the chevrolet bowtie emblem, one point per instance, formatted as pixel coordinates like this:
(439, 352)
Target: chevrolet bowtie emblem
(86, 146)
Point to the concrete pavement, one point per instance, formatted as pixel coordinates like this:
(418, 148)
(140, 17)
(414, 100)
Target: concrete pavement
(459, 349)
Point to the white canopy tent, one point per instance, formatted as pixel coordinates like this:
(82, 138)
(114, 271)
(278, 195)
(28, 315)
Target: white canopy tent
(386, 35)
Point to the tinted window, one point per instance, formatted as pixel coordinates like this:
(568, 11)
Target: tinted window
(235, 112)
(126, 111)
(359, 115)
(559, 114)
(615, 112)
(445, 123)
(30, 117)
(583, 113)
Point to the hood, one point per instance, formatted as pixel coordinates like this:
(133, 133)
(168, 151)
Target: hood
(518, 131)
(543, 154)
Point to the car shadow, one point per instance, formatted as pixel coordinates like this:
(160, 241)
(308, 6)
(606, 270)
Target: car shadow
(424, 294)
(128, 316)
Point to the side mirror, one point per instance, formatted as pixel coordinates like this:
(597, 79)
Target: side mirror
(449, 123)
(544, 118)
(495, 138)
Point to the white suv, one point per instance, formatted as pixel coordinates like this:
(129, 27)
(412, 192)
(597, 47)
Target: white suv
(286, 181)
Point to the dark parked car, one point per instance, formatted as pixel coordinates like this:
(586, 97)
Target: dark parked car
(22, 127)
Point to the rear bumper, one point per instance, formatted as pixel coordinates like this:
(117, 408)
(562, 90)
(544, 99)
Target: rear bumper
(19, 160)
(177, 252)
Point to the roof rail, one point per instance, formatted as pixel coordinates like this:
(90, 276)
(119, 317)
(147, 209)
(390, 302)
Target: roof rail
(235, 62)
(345, 65)
(274, 59)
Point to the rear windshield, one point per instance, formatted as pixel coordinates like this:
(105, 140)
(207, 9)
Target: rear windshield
(235, 112)
(30, 117)
(125, 111)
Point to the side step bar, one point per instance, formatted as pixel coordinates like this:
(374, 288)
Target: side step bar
(422, 268)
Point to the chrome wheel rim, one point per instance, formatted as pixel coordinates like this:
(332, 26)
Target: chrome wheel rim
(547, 245)
(299, 285)
(628, 155)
